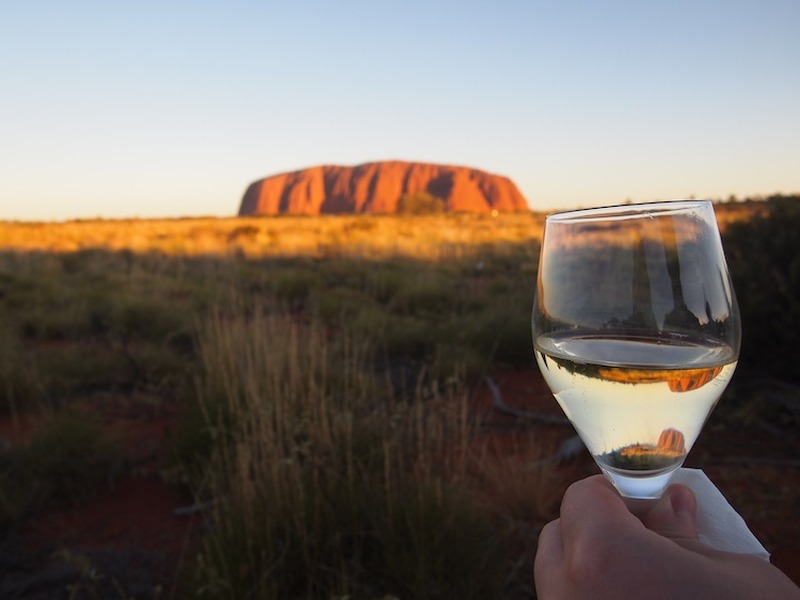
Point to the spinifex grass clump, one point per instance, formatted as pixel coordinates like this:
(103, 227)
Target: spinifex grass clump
(69, 457)
(325, 484)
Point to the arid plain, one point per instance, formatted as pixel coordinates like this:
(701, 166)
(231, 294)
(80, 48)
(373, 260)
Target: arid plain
(321, 406)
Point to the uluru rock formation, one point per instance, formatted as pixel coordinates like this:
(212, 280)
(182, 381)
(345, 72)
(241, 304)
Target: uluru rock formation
(377, 188)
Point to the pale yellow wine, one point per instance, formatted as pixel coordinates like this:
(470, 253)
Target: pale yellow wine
(637, 402)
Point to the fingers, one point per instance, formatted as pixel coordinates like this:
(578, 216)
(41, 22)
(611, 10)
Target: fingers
(675, 515)
(548, 565)
(573, 550)
(584, 500)
(588, 552)
(599, 550)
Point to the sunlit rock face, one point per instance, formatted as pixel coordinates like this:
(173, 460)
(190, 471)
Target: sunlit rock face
(377, 188)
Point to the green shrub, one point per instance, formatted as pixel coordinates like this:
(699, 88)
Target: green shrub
(408, 337)
(20, 384)
(64, 462)
(425, 296)
(764, 262)
(337, 305)
(420, 203)
(385, 281)
(293, 286)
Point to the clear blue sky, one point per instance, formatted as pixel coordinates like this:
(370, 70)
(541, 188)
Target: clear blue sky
(171, 108)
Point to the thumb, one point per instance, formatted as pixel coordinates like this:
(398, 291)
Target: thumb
(675, 515)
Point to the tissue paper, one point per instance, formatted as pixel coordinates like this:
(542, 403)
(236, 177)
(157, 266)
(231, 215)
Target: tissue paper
(718, 524)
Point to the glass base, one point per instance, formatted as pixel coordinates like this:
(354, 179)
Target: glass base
(645, 485)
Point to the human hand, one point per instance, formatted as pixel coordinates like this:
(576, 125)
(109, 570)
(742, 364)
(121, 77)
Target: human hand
(599, 550)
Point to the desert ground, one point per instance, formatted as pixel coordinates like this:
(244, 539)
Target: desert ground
(320, 406)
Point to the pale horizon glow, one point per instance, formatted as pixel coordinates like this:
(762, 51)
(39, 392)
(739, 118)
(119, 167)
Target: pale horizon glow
(153, 110)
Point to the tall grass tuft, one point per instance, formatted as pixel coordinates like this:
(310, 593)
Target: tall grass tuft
(325, 483)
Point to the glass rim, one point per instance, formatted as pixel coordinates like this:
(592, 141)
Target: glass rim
(628, 210)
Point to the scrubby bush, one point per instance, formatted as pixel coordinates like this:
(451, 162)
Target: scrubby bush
(420, 203)
(69, 457)
(764, 260)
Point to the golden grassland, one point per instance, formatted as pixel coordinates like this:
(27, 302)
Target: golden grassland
(355, 236)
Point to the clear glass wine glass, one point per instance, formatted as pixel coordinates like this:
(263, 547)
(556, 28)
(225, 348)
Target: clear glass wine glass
(636, 331)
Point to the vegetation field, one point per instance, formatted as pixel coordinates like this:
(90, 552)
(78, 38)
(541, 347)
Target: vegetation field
(321, 387)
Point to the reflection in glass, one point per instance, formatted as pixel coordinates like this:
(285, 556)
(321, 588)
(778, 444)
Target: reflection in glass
(636, 331)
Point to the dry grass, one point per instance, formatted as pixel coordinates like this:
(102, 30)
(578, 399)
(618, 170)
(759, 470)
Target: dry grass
(371, 237)
(326, 406)
(338, 462)
(447, 236)
(326, 483)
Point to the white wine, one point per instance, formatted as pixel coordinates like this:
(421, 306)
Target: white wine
(637, 402)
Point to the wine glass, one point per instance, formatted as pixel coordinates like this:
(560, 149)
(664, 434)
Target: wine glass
(636, 331)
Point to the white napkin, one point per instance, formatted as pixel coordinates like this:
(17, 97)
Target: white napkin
(718, 524)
